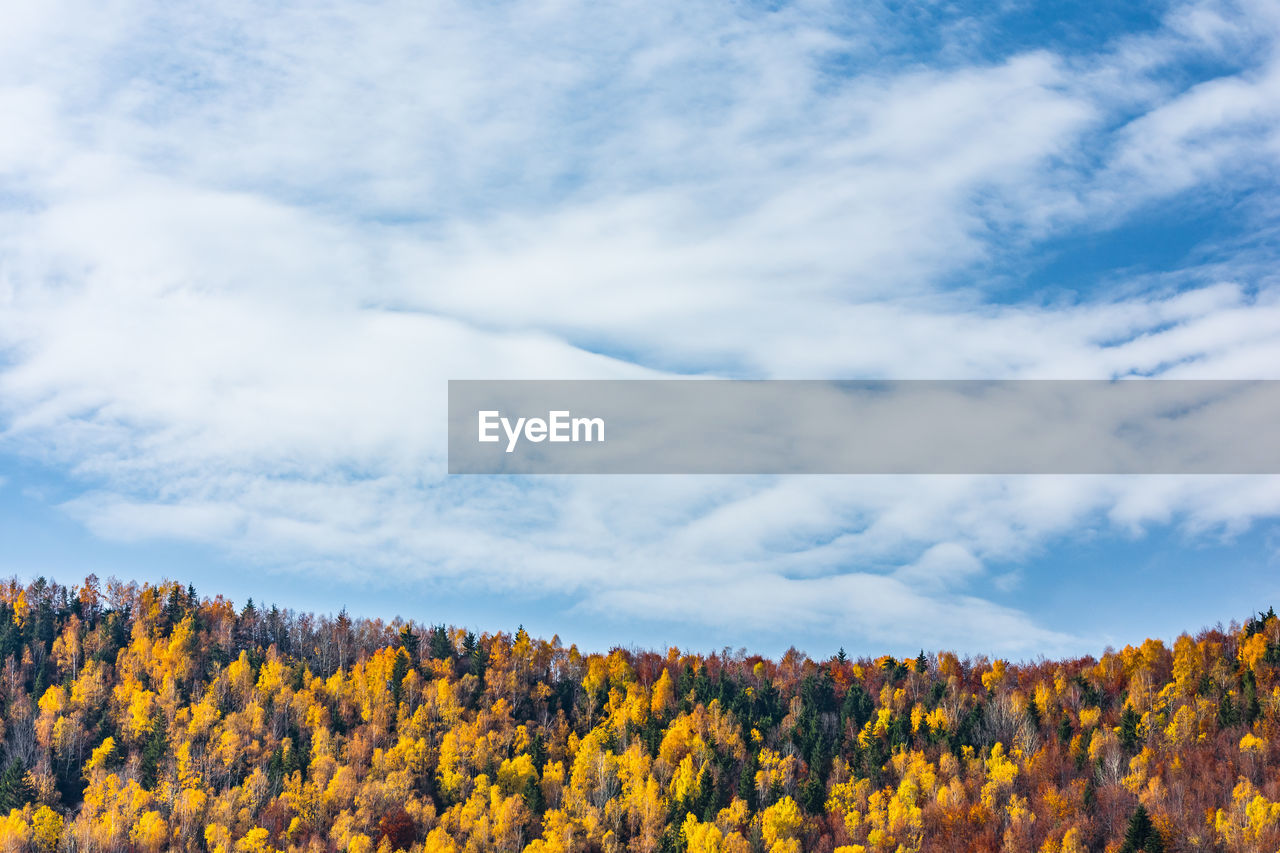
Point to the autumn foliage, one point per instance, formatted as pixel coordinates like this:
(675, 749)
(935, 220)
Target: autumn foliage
(148, 719)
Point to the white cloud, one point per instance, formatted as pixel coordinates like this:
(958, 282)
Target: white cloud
(243, 250)
(942, 565)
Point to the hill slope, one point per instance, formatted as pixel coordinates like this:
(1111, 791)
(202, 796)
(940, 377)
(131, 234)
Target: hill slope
(147, 718)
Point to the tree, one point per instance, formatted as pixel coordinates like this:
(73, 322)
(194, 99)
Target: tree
(1064, 726)
(1228, 713)
(15, 788)
(398, 828)
(157, 747)
(409, 641)
(1129, 721)
(342, 636)
(439, 646)
(1033, 713)
(1141, 834)
(208, 740)
(399, 669)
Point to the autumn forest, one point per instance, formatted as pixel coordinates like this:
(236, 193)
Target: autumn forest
(149, 718)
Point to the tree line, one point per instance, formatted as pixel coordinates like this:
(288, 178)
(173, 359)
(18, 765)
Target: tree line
(147, 718)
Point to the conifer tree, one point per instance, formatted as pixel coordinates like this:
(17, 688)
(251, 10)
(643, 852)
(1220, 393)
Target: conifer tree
(1141, 836)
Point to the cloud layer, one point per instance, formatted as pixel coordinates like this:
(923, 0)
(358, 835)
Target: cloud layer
(242, 250)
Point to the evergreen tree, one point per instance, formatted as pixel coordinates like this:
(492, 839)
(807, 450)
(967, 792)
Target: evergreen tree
(439, 646)
(153, 753)
(813, 796)
(532, 794)
(747, 782)
(275, 770)
(298, 678)
(275, 629)
(342, 633)
(538, 752)
(176, 606)
(15, 789)
(1228, 713)
(1129, 721)
(296, 758)
(1251, 707)
(858, 707)
(470, 647)
(409, 641)
(399, 669)
(1141, 834)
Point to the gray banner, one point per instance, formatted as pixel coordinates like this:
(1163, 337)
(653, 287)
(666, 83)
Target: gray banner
(689, 426)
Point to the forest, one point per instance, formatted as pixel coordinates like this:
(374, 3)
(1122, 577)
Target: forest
(148, 718)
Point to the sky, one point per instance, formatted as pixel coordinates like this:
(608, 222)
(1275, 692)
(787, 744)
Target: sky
(244, 246)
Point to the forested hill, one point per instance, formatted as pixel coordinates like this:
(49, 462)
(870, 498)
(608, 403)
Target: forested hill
(147, 718)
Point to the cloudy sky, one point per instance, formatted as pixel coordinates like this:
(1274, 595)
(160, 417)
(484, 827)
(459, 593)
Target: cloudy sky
(243, 248)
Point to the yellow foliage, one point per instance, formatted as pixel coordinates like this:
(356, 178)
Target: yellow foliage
(54, 700)
(151, 832)
(439, 842)
(293, 739)
(782, 821)
(1182, 727)
(993, 679)
(1071, 842)
(883, 718)
(775, 771)
(15, 832)
(1139, 767)
(701, 837)
(1253, 650)
(46, 829)
(999, 768)
(849, 796)
(938, 719)
(1252, 743)
(516, 774)
(686, 781)
(360, 843)
(102, 754)
(664, 696)
(1249, 817)
(1188, 664)
(1019, 811)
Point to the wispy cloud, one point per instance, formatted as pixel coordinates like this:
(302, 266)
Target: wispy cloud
(243, 248)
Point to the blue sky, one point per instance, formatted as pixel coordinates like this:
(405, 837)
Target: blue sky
(243, 248)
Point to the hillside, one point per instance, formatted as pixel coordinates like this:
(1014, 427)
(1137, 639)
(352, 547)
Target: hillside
(148, 718)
